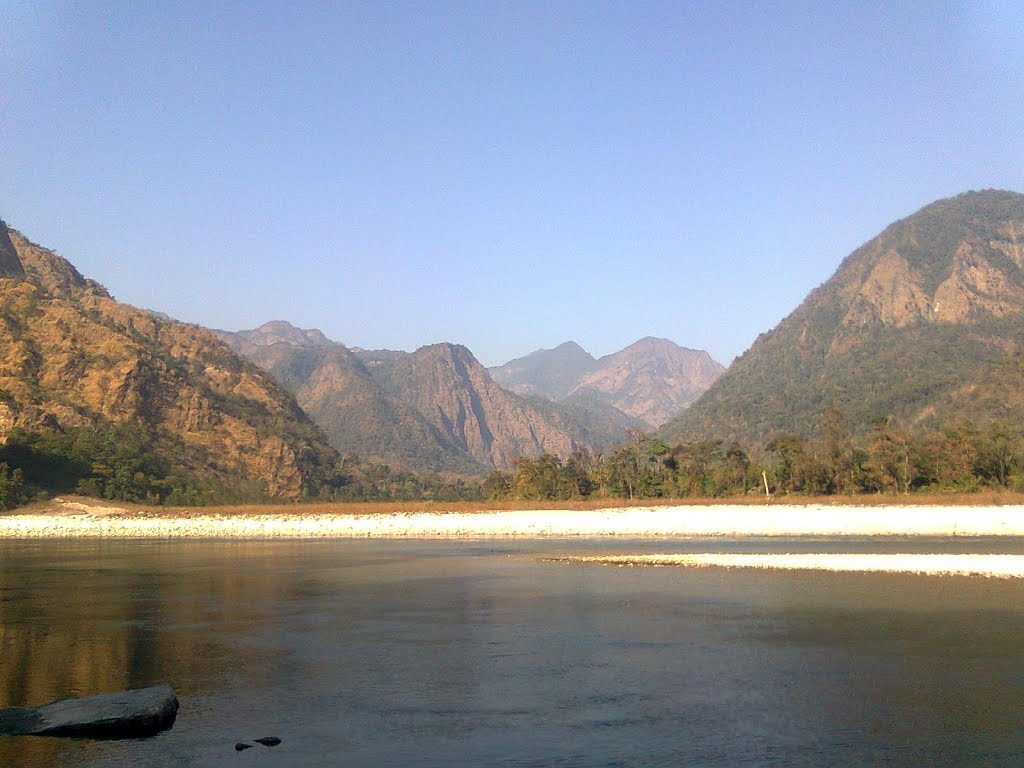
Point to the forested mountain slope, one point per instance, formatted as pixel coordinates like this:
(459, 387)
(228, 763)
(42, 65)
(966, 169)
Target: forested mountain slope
(923, 323)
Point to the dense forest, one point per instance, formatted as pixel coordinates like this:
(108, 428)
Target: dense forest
(120, 464)
(889, 459)
(125, 464)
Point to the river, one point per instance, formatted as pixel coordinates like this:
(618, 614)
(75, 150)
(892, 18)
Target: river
(476, 653)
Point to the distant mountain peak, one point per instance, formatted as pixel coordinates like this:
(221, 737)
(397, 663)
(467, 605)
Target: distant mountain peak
(548, 373)
(569, 346)
(650, 380)
(281, 331)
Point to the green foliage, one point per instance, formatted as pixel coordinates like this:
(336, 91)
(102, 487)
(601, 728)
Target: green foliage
(12, 487)
(888, 459)
(358, 480)
(120, 463)
(113, 462)
(835, 350)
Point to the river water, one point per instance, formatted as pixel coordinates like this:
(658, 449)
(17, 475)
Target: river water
(476, 653)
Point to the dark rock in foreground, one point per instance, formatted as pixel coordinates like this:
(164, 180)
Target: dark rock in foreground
(122, 715)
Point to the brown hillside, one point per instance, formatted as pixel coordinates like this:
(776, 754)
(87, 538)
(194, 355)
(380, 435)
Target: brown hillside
(72, 356)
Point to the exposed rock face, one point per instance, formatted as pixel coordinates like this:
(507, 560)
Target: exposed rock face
(71, 356)
(457, 396)
(976, 288)
(926, 309)
(648, 382)
(435, 409)
(356, 413)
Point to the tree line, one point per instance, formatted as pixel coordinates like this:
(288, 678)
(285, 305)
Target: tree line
(889, 458)
(127, 463)
(122, 464)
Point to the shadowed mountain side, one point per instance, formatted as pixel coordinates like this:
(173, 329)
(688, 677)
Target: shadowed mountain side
(922, 323)
(593, 422)
(456, 395)
(550, 373)
(71, 357)
(334, 387)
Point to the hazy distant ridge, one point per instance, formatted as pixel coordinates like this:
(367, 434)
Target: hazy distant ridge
(649, 381)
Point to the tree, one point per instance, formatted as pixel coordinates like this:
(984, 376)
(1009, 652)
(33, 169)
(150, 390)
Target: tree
(11, 487)
(889, 458)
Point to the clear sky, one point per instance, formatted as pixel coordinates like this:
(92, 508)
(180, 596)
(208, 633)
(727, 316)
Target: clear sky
(504, 175)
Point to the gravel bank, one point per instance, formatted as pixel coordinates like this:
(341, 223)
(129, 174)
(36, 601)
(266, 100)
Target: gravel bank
(994, 566)
(774, 520)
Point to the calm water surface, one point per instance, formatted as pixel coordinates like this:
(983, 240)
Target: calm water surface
(363, 653)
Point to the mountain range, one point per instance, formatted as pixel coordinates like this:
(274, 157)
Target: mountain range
(924, 324)
(439, 409)
(650, 381)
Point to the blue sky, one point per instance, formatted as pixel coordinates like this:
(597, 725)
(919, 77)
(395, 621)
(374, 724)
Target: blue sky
(504, 175)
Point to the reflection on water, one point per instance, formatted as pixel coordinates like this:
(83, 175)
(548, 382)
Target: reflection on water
(433, 653)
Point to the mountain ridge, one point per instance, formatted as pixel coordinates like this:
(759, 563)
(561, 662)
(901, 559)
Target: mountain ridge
(927, 306)
(435, 408)
(73, 358)
(649, 381)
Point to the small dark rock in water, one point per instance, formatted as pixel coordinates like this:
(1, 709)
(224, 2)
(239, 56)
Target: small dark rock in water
(240, 746)
(122, 715)
(268, 741)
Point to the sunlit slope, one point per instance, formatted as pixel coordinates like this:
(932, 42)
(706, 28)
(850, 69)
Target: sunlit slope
(924, 323)
(73, 358)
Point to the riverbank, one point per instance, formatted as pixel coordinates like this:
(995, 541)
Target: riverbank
(988, 565)
(84, 518)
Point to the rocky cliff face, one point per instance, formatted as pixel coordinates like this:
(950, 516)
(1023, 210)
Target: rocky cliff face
(916, 314)
(435, 409)
(457, 396)
(335, 387)
(71, 356)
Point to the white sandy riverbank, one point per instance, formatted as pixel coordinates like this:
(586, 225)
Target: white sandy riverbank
(994, 566)
(71, 519)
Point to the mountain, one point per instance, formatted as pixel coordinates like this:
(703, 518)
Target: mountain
(74, 359)
(436, 408)
(651, 379)
(647, 383)
(458, 397)
(277, 331)
(334, 386)
(595, 423)
(550, 373)
(924, 323)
